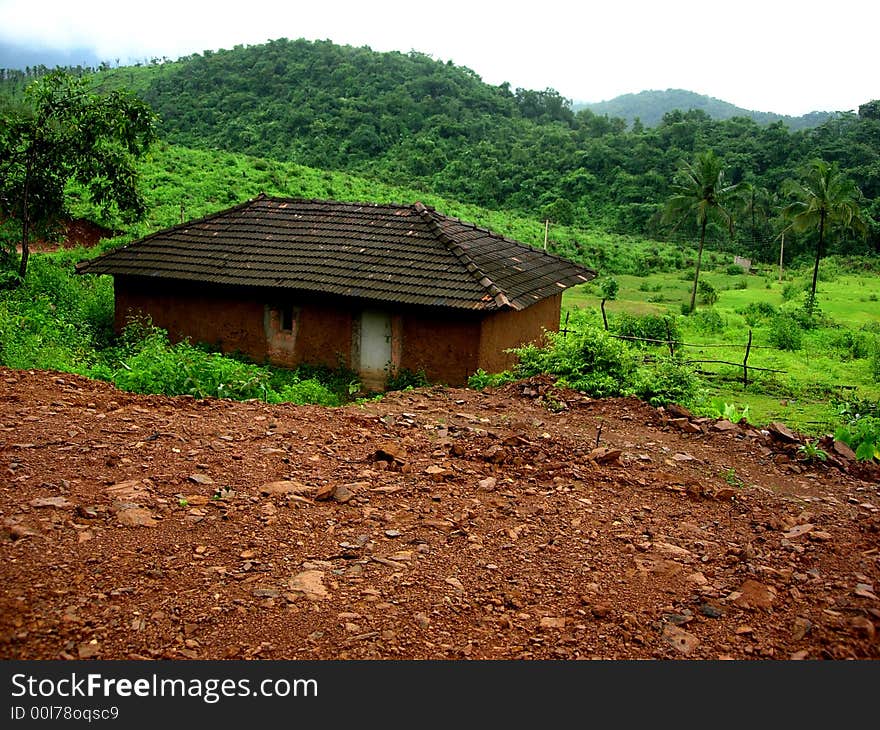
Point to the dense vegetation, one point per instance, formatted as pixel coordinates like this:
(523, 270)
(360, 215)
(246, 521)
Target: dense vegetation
(408, 119)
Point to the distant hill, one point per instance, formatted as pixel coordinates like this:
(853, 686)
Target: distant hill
(650, 106)
(22, 56)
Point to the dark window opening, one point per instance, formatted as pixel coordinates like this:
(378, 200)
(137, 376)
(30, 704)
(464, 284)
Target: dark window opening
(286, 317)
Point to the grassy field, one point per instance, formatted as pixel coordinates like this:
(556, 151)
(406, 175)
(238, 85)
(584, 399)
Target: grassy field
(833, 365)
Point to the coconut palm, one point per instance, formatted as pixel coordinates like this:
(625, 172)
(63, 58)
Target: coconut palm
(825, 201)
(698, 189)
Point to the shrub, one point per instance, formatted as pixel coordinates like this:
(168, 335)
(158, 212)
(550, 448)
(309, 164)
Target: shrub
(588, 360)
(708, 321)
(649, 326)
(481, 379)
(786, 332)
(403, 379)
(707, 293)
(735, 270)
(756, 313)
(667, 381)
(863, 437)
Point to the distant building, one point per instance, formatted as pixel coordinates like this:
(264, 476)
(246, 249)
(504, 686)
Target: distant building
(376, 288)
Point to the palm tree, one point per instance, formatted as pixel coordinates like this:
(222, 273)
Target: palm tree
(825, 201)
(698, 189)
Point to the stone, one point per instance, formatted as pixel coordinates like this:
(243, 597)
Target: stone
(798, 531)
(200, 479)
(710, 611)
(863, 626)
(843, 450)
(89, 649)
(679, 639)
(59, 502)
(783, 433)
(391, 452)
(487, 484)
(605, 455)
(337, 492)
(755, 595)
(136, 517)
(310, 584)
(455, 583)
(552, 622)
(802, 626)
(284, 487)
(677, 411)
(723, 426)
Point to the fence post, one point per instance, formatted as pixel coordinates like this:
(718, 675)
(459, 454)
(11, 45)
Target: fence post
(746, 360)
(669, 340)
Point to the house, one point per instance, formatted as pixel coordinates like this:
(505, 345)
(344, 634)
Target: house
(376, 288)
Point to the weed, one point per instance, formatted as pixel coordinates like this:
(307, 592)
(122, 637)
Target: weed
(811, 453)
(730, 476)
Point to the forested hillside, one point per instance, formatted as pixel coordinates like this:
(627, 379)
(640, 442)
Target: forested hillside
(407, 119)
(649, 107)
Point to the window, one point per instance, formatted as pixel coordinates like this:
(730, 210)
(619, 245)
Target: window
(285, 318)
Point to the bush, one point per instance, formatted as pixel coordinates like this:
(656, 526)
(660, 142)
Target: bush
(708, 321)
(756, 313)
(667, 381)
(707, 293)
(481, 379)
(649, 326)
(863, 437)
(786, 332)
(588, 360)
(403, 379)
(735, 270)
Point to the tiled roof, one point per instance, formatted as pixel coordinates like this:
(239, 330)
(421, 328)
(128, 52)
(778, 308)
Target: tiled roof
(388, 253)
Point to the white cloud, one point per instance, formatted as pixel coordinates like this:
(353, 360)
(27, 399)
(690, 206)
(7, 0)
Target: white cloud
(770, 56)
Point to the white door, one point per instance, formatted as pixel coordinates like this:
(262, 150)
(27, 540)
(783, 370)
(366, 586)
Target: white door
(375, 348)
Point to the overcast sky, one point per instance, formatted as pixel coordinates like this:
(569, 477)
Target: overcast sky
(789, 57)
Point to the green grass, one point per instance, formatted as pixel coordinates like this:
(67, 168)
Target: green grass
(833, 364)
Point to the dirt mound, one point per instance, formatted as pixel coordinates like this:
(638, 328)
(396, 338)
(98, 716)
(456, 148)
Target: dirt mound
(75, 232)
(529, 522)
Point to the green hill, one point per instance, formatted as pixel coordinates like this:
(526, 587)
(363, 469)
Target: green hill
(433, 127)
(649, 107)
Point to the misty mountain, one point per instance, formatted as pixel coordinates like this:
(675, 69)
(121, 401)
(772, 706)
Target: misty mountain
(22, 56)
(650, 106)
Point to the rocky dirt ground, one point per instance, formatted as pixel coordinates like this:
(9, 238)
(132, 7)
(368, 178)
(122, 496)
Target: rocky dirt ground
(521, 523)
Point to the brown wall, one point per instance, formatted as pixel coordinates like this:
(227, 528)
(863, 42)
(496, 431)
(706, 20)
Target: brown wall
(441, 343)
(508, 329)
(239, 320)
(204, 314)
(448, 345)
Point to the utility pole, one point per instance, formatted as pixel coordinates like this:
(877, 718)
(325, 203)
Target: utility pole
(546, 231)
(781, 248)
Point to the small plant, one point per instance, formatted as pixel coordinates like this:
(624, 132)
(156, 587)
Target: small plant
(481, 379)
(182, 502)
(729, 411)
(811, 452)
(730, 476)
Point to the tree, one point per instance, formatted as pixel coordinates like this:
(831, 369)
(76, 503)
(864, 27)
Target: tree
(608, 289)
(64, 133)
(699, 190)
(825, 201)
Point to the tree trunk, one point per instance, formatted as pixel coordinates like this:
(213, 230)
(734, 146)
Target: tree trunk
(26, 217)
(812, 300)
(697, 272)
